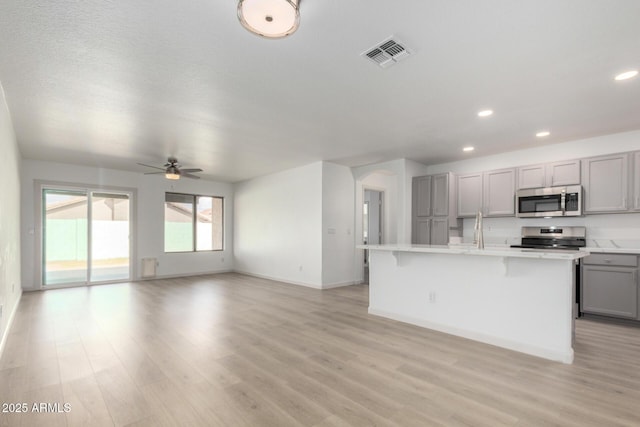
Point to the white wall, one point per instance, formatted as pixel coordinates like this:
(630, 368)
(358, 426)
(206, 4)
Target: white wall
(149, 216)
(338, 247)
(278, 226)
(623, 228)
(615, 143)
(10, 280)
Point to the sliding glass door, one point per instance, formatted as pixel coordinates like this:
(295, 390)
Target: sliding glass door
(85, 236)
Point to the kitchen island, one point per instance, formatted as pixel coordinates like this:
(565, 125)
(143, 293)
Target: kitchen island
(519, 299)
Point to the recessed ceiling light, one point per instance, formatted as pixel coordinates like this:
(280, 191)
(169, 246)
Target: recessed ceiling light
(627, 75)
(468, 149)
(543, 134)
(485, 113)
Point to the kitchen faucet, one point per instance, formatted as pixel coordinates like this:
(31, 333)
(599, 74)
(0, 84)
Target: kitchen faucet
(478, 237)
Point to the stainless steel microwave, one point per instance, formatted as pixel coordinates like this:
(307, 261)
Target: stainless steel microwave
(549, 202)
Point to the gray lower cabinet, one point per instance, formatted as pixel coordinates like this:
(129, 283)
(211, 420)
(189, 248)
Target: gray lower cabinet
(422, 231)
(439, 231)
(431, 231)
(609, 285)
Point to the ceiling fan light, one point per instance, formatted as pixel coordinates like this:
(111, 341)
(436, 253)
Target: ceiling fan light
(269, 18)
(172, 173)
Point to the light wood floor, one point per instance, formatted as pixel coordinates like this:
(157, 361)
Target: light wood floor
(230, 350)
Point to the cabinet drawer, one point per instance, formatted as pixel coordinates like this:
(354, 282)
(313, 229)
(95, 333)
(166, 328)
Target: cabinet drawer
(620, 260)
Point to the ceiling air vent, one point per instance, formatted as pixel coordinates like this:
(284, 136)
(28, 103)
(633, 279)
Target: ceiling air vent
(387, 53)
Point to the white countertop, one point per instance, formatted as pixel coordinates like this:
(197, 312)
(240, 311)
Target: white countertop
(633, 251)
(462, 249)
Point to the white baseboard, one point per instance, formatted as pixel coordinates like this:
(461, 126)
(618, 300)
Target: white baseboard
(5, 335)
(279, 279)
(177, 276)
(293, 282)
(339, 284)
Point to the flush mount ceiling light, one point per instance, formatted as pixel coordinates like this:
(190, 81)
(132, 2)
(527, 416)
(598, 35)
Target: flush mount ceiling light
(543, 134)
(468, 149)
(485, 113)
(627, 75)
(269, 18)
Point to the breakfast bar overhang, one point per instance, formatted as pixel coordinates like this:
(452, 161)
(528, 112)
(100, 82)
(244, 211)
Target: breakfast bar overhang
(518, 299)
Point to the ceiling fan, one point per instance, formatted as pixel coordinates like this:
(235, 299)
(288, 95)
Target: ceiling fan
(172, 170)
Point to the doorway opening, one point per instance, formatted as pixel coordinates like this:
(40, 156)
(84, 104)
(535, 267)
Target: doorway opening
(85, 236)
(372, 211)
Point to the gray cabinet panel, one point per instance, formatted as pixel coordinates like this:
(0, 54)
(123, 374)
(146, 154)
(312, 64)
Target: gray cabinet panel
(422, 195)
(605, 181)
(531, 176)
(611, 260)
(439, 231)
(499, 192)
(440, 194)
(469, 194)
(422, 231)
(563, 173)
(611, 291)
(549, 174)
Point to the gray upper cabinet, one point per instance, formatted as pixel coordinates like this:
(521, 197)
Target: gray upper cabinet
(533, 176)
(440, 194)
(563, 173)
(492, 193)
(636, 181)
(499, 192)
(469, 194)
(422, 196)
(549, 174)
(606, 183)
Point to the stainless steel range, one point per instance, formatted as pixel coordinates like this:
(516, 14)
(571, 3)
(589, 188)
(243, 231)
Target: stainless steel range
(553, 238)
(557, 238)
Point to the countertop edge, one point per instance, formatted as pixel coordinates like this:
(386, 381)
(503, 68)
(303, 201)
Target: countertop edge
(461, 250)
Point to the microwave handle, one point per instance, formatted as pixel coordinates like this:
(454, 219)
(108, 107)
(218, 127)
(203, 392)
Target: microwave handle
(563, 203)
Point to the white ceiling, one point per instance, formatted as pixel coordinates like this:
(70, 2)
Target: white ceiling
(112, 83)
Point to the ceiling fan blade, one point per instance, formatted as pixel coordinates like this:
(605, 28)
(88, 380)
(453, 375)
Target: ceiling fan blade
(188, 175)
(153, 173)
(149, 166)
(191, 170)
